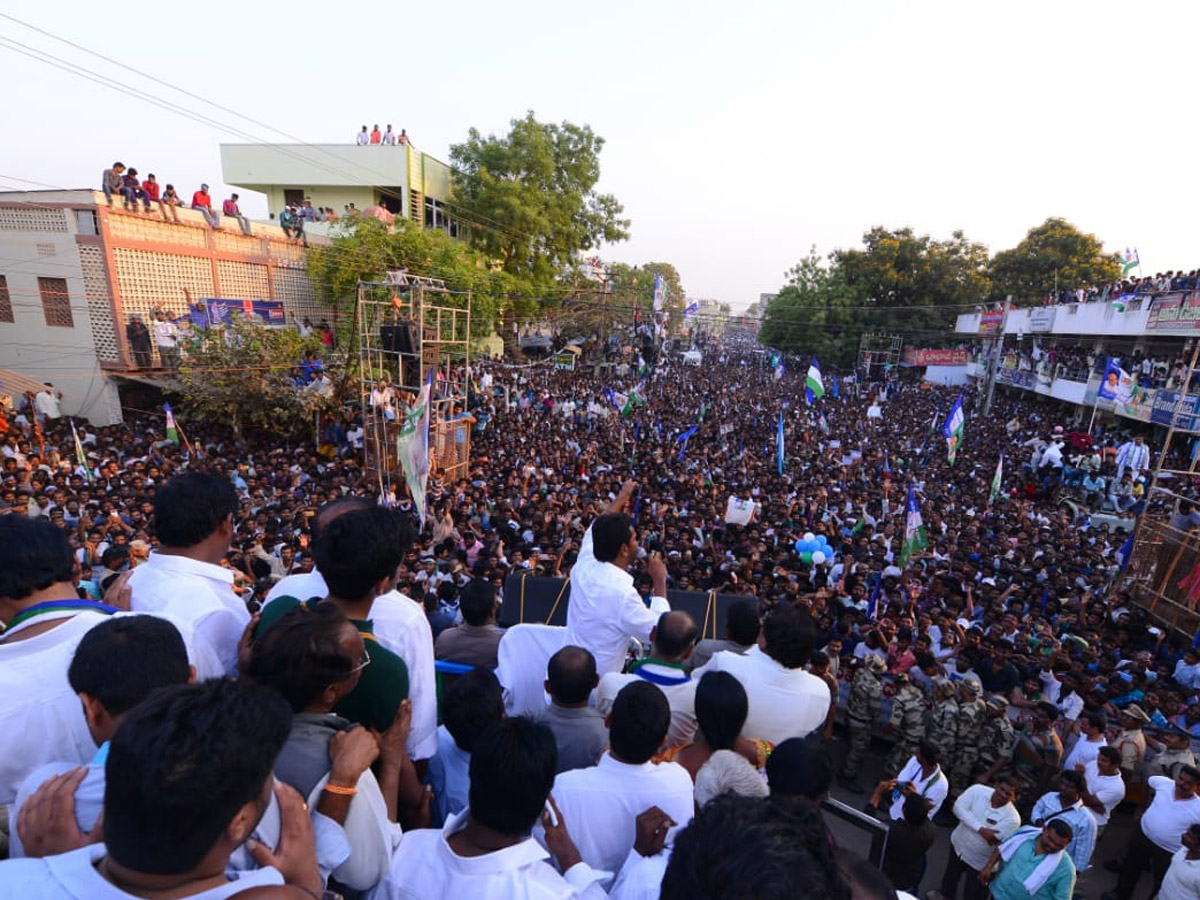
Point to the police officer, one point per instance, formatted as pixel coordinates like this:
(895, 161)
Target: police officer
(907, 722)
(1176, 751)
(969, 727)
(997, 740)
(942, 727)
(866, 699)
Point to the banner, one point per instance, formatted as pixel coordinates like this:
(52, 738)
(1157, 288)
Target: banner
(1175, 312)
(738, 512)
(991, 322)
(1041, 318)
(1117, 384)
(915, 357)
(220, 311)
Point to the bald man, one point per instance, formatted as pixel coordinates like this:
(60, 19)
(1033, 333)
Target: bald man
(672, 641)
(578, 729)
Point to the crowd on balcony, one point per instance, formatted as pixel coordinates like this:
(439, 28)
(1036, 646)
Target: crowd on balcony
(1126, 289)
(1075, 363)
(387, 138)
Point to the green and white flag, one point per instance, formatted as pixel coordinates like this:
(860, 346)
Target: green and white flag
(914, 531)
(1131, 261)
(814, 387)
(412, 446)
(953, 430)
(996, 481)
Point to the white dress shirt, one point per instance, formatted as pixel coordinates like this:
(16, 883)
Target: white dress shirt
(46, 404)
(600, 805)
(641, 876)
(784, 702)
(401, 626)
(605, 610)
(41, 718)
(197, 593)
(934, 788)
(681, 697)
(424, 867)
(1108, 789)
(974, 810)
(72, 875)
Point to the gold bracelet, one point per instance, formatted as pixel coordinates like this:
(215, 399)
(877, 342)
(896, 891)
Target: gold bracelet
(340, 790)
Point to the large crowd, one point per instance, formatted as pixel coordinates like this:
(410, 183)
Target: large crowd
(220, 676)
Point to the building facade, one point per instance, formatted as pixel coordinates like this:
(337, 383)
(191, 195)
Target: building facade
(74, 273)
(400, 178)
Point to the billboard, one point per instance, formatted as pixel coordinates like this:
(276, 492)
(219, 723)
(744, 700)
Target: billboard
(991, 321)
(1042, 318)
(1175, 312)
(220, 311)
(915, 357)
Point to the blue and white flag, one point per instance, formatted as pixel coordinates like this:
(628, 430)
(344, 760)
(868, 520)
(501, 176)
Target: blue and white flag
(779, 444)
(690, 311)
(683, 439)
(953, 430)
(914, 530)
(1125, 552)
(660, 293)
(873, 600)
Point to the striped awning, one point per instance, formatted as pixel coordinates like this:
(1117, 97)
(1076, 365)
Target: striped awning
(14, 384)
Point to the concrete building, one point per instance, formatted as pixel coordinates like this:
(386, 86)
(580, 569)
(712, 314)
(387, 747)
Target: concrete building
(1061, 352)
(407, 182)
(73, 273)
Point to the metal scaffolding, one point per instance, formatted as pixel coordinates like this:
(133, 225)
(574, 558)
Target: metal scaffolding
(878, 353)
(1163, 572)
(411, 330)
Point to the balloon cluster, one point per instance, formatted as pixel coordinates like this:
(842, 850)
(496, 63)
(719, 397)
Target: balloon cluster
(814, 548)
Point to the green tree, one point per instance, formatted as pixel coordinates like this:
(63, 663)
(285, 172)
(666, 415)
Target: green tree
(913, 283)
(1052, 255)
(363, 248)
(814, 314)
(242, 375)
(529, 199)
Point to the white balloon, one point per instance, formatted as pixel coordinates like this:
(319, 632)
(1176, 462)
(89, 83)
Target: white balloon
(818, 557)
(809, 536)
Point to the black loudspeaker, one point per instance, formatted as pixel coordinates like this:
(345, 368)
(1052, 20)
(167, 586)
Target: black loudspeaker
(400, 338)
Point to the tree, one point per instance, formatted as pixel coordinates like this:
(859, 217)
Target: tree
(814, 314)
(1053, 255)
(242, 375)
(363, 248)
(528, 201)
(914, 283)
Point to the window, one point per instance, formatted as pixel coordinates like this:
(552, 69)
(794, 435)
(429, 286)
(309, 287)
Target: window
(56, 302)
(293, 196)
(6, 312)
(86, 220)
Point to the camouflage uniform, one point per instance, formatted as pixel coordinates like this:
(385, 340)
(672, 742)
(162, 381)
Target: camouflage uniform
(908, 720)
(971, 715)
(998, 737)
(943, 719)
(866, 699)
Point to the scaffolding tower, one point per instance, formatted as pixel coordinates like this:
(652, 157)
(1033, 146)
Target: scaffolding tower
(412, 330)
(877, 351)
(1163, 571)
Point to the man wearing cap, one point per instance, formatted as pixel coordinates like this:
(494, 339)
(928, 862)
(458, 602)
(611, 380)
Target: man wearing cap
(1131, 742)
(997, 739)
(1174, 751)
(862, 709)
(941, 729)
(969, 727)
(202, 203)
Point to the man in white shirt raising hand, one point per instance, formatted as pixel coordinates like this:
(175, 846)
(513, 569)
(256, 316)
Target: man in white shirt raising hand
(605, 609)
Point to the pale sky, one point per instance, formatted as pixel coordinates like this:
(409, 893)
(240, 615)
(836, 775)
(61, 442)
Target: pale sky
(738, 134)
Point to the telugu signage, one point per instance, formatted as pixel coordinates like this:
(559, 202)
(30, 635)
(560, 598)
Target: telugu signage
(915, 357)
(1175, 312)
(1041, 319)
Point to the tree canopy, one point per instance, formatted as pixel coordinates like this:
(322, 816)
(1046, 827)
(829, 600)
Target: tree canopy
(1053, 255)
(529, 201)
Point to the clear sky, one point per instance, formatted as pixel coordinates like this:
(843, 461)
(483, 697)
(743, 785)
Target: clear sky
(738, 134)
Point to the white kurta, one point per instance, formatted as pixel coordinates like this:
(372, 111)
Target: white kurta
(784, 702)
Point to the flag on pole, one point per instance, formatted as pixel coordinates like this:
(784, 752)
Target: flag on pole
(632, 402)
(172, 430)
(836, 389)
(996, 481)
(914, 530)
(660, 293)
(412, 446)
(642, 367)
(80, 455)
(953, 430)
(814, 387)
(690, 311)
(703, 410)
(1131, 261)
(873, 601)
(683, 439)
(779, 444)
(1125, 552)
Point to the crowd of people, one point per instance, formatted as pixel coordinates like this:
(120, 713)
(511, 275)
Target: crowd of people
(387, 138)
(221, 678)
(122, 181)
(1127, 288)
